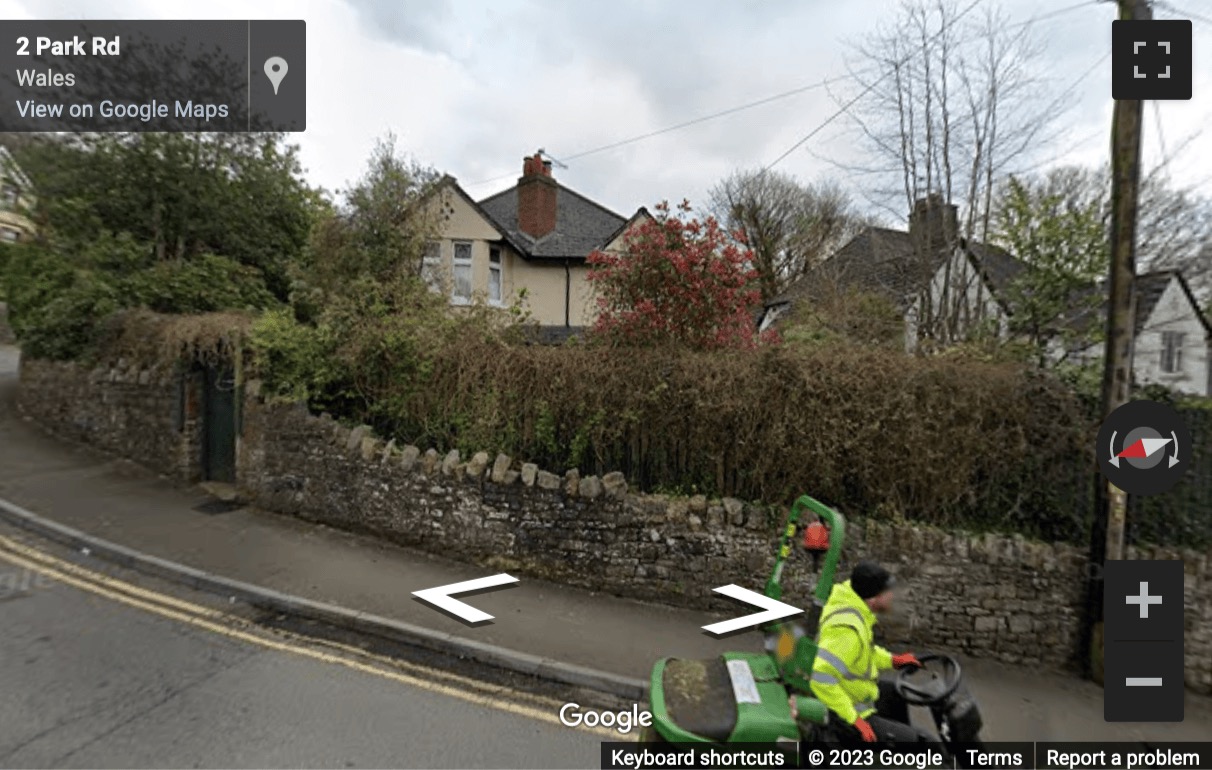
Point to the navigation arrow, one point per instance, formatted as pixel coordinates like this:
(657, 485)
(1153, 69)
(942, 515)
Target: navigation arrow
(442, 599)
(1114, 457)
(1174, 457)
(772, 610)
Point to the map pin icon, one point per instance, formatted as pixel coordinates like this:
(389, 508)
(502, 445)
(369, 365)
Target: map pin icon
(275, 70)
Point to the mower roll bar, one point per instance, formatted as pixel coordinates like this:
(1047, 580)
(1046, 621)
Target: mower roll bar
(836, 524)
(797, 669)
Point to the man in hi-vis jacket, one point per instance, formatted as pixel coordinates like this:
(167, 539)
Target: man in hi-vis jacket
(845, 674)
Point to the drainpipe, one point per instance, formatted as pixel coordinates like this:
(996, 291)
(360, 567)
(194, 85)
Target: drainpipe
(567, 294)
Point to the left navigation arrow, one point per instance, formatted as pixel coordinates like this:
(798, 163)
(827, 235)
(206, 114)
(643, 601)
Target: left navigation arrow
(772, 610)
(442, 597)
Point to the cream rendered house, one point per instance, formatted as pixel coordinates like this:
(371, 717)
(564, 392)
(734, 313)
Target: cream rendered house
(527, 243)
(16, 198)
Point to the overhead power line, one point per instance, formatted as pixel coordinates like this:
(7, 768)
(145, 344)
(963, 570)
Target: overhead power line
(1161, 141)
(904, 60)
(1173, 9)
(688, 123)
(779, 96)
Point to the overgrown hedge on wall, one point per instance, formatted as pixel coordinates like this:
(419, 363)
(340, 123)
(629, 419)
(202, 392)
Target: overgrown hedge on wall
(876, 432)
(950, 442)
(1182, 515)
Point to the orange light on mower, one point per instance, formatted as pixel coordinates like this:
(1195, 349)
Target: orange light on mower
(816, 537)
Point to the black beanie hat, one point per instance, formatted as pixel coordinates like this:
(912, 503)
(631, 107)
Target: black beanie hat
(870, 579)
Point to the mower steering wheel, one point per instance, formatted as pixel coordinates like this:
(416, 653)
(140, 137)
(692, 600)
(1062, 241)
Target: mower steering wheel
(926, 687)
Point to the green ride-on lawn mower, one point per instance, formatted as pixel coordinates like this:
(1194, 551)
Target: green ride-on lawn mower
(743, 697)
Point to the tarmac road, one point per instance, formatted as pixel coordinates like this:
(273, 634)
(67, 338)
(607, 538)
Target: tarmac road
(91, 681)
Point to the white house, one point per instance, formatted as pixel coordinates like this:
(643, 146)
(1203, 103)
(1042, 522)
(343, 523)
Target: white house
(1173, 337)
(969, 288)
(968, 291)
(1173, 344)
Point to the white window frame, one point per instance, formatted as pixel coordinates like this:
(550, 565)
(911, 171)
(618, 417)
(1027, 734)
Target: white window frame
(496, 276)
(9, 235)
(462, 265)
(1172, 352)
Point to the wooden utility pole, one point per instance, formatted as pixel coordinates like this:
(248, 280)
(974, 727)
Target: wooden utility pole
(1121, 319)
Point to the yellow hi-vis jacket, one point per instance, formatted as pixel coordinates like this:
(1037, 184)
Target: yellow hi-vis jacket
(845, 674)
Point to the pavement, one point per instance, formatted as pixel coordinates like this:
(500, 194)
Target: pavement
(122, 503)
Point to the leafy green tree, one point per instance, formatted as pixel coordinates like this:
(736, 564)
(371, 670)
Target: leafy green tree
(177, 223)
(377, 232)
(182, 195)
(1056, 225)
(362, 319)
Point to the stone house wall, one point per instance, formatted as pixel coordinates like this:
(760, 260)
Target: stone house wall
(992, 596)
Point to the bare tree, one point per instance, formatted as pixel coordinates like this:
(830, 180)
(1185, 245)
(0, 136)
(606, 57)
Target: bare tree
(1174, 231)
(789, 226)
(953, 104)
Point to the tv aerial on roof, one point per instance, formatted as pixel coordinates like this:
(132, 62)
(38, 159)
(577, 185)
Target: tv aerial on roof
(546, 155)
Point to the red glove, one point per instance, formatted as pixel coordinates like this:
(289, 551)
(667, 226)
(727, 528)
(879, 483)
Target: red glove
(865, 730)
(906, 659)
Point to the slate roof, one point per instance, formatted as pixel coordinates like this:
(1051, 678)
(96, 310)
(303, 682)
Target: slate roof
(998, 267)
(1149, 290)
(581, 225)
(877, 260)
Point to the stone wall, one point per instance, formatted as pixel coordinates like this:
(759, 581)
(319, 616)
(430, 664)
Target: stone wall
(149, 416)
(991, 596)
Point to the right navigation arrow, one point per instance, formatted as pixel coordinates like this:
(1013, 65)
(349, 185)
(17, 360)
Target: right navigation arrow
(772, 610)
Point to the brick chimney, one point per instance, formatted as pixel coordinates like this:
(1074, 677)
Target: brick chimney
(934, 224)
(536, 197)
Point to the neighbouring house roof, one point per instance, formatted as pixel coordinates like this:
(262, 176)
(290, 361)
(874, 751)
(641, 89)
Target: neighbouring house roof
(640, 214)
(884, 261)
(582, 226)
(1149, 290)
(1088, 312)
(449, 182)
(998, 267)
(877, 260)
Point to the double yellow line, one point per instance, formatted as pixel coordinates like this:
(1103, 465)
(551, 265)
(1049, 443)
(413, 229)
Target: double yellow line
(402, 672)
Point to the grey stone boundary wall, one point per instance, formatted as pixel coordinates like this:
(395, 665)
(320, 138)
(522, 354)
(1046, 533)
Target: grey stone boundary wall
(6, 331)
(990, 596)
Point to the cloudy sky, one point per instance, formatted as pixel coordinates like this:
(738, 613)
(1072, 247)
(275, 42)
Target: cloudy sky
(470, 86)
